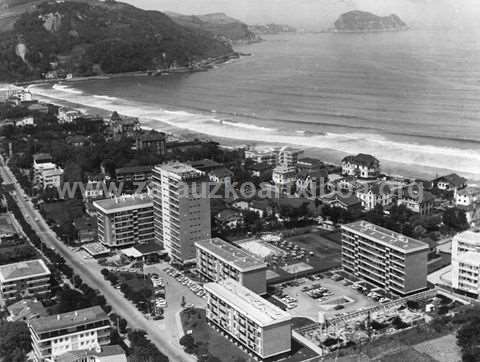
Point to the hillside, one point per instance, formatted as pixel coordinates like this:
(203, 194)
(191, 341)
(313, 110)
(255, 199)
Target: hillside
(361, 21)
(219, 25)
(91, 37)
(272, 29)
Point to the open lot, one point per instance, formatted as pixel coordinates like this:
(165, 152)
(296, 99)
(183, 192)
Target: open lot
(322, 252)
(339, 294)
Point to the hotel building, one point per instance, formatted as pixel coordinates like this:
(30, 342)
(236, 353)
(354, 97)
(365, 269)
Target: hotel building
(82, 329)
(257, 325)
(466, 262)
(47, 175)
(182, 209)
(24, 279)
(218, 260)
(384, 258)
(125, 220)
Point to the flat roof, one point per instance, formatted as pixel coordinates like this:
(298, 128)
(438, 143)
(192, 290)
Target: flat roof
(247, 302)
(22, 270)
(231, 254)
(386, 237)
(69, 320)
(133, 169)
(124, 203)
(182, 170)
(95, 249)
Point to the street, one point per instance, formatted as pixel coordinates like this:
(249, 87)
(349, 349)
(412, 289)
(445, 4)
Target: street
(92, 276)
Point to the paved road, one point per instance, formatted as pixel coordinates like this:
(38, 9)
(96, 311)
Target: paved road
(91, 276)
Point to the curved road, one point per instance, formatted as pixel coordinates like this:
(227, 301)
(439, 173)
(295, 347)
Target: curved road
(91, 277)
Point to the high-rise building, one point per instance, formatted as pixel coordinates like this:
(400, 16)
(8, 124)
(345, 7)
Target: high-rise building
(384, 258)
(218, 260)
(256, 324)
(288, 156)
(182, 209)
(125, 220)
(82, 329)
(25, 279)
(466, 261)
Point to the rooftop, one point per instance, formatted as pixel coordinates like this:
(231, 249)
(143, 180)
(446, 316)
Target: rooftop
(23, 269)
(471, 237)
(252, 305)
(69, 320)
(124, 203)
(231, 254)
(42, 157)
(181, 170)
(205, 164)
(469, 191)
(82, 354)
(362, 159)
(453, 179)
(386, 237)
(27, 309)
(133, 169)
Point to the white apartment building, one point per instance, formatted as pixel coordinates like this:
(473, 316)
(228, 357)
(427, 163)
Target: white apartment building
(466, 261)
(218, 260)
(24, 279)
(384, 258)
(125, 220)
(268, 157)
(253, 322)
(289, 156)
(182, 209)
(47, 175)
(83, 329)
(362, 166)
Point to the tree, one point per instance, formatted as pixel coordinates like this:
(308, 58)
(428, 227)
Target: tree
(14, 341)
(455, 218)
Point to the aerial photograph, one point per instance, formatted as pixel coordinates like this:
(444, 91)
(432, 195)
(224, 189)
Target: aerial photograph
(240, 181)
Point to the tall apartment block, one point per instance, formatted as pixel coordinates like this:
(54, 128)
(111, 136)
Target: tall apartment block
(466, 262)
(125, 220)
(24, 279)
(83, 329)
(257, 325)
(218, 260)
(182, 209)
(384, 258)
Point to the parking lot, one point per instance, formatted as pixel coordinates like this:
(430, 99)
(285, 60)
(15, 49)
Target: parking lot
(306, 297)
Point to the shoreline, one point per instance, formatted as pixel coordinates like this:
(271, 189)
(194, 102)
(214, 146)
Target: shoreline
(328, 155)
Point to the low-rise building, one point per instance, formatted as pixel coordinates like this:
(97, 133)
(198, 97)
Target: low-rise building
(261, 170)
(134, 174)
(349, 203)
(206, 165)
(221, 176)
(253, 322)
(467, 196)
(86, 227)
(83, 329)
(451, 182)
(311, 183)
(24, 279)
(66, 115)
(384, 258)
(262, 207)
(47, 175)
(362, 166)
(269, 157)
(309, 164)
(229, 218)
(153, 141)
(417, 200)
(218, 260)
(112, 353)
(122, 126)
(125, 220)
(26, 310)
(375, 194)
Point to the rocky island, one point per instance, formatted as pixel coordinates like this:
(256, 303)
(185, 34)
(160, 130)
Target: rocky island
(364, 22)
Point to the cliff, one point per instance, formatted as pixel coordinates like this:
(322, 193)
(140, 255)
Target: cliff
(91, 37)
(361, 21)
(219, 25)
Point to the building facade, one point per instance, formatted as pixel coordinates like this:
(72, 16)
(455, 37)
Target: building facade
(55, 335)
(218, 260)
(284, 178)
(153, 141)
(182, 209)
(467, 196)
(466, 261)
(24, 279)
(47, 175)
(125, 220)
(257, 325)
(362, 166)
(384, 258)
(288, 156)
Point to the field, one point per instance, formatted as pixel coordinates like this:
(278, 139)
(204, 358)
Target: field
(326, 247)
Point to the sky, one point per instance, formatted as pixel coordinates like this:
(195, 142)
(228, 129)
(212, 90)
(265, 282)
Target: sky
(320, 14)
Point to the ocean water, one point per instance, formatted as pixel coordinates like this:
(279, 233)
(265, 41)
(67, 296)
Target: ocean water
(411, 98)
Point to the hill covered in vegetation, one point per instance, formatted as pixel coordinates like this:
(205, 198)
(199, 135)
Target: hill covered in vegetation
(362, 21)
(92, 37)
